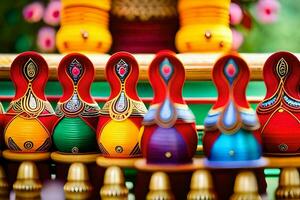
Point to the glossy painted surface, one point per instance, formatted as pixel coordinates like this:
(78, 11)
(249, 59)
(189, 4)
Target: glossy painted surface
(230, 123)
(77, 111)
(29, 117)
(77, 136)
(231, 147)
(120, 118)
(191, 89)
(170, 134)
(279, 111)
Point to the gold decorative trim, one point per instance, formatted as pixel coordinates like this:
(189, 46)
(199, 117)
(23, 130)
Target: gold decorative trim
(16, 156)
(120, 162)
(144, 10)
(136, 108)
(71, 158)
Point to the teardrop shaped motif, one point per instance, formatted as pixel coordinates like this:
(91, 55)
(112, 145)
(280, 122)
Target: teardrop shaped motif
(121, 103)
(32, 102)
(229, 118)
(122, 70)
(231, 71)
(165, 113)
(166, 70)
(120, 108)
(75, 71)
(282, 68)
(74, 104)
(30, 70)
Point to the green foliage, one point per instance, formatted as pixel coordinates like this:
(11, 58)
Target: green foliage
(282, 35)
(16, 34)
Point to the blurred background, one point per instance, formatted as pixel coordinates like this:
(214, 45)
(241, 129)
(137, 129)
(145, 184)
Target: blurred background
(258, 26)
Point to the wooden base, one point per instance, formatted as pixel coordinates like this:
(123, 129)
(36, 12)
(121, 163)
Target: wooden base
(247, 164)
(120, 162)
(71, 158)
(16, 156)
(142, 165)
(282, 162)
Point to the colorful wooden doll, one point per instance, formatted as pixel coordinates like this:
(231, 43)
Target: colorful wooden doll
(121, 116)
(229, 125)
(279, 112)
(170, 134)
(29, 117)
(75, 131)
(2, 117)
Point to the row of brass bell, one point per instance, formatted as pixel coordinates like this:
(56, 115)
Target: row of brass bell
(28, 186)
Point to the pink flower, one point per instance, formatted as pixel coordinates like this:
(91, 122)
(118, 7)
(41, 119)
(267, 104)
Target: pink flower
(52, 13)
(267, 11)
(236, 14)
(237, 39)
(33, 12)
(46, 39)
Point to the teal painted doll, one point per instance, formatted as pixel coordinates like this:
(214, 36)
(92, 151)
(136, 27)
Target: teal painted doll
(230, 124)
(77, 111)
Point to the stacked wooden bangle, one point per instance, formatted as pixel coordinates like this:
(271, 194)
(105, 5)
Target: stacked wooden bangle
(142, 26)
(84, 26)
(204, 26)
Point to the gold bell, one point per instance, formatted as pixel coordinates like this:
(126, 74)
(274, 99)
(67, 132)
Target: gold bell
(201, 186)
(27, 185)
(160, 187)
(289, 185)
(4, 187)
(78, 186)
(245, 187)
(114, 185)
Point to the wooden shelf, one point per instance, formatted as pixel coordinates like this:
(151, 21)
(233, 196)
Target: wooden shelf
(71, 158)
(120, 162)
(15, 156)
(283, 162)
(144, 166)
(197, 66)
(199, 163)
(139, 163)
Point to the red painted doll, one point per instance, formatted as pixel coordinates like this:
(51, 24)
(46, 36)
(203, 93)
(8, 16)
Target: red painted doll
(279, 112)
(170, 135)
(29, 117)
(2, 118)
(230, 141)
(78, 112)
(121, 116)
